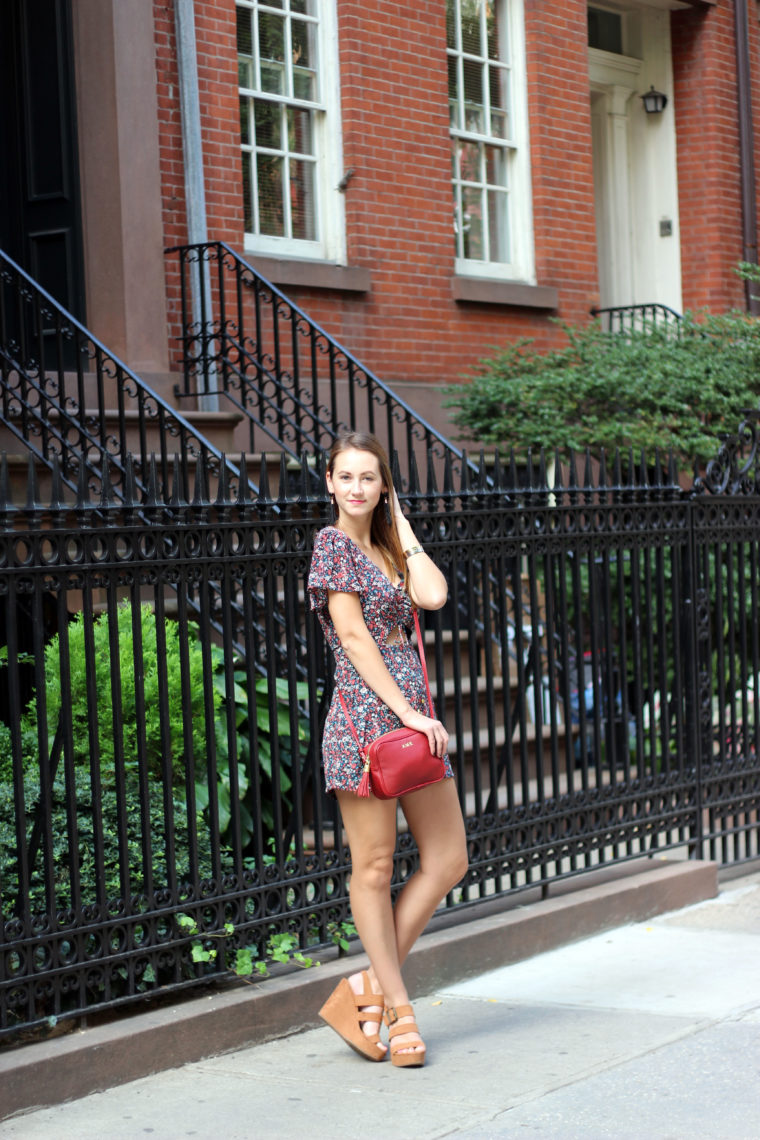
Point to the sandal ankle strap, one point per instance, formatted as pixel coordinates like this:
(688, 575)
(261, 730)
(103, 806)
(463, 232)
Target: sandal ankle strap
(394, 1012)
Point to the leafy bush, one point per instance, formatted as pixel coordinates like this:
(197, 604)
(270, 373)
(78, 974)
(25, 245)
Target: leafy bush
(145, 830)
(79, 709)
(63, 859)
(655, 387)
(245, 730)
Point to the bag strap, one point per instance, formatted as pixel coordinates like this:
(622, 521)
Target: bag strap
(421, 651)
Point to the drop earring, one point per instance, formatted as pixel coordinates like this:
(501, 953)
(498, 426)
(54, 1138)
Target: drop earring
(333, 506)
(388, 518)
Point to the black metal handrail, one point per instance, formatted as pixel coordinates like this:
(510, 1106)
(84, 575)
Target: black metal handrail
(64, 395)
(244, 340)
(637, 318)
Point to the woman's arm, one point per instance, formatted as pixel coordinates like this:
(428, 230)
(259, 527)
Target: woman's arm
(427, 585)
(362, 651)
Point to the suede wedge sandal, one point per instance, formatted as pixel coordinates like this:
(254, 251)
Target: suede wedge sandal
(402, 1060)
(347, 1013)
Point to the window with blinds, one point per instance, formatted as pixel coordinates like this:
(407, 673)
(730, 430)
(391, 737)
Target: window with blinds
(488, 137)
(285, 113)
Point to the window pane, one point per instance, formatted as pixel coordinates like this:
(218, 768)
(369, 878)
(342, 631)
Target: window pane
(247, 193)
(469, 162)
(304, 60)
(472, 223)
(471, 31)
(498, 225)
(496, 35)
(499, 93)
(272, 52)
(268, 125)
(474, 119)
(302, 216)
(245, 48)
(304, 84)
(496, 166)
(269, 171)
(458, 246)
(451, 24)
(453, 82)
(299, 131)
(245, 121)
(605, 30)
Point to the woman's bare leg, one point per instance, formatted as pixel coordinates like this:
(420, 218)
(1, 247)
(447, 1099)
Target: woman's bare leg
(388, 934)
(370, 826)
(435, 820)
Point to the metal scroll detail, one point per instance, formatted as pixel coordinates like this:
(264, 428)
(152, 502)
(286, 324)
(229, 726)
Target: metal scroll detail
(734, 470)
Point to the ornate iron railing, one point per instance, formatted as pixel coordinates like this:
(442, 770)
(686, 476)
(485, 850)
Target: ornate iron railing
(602, 708)
(638, 318)
(65, 397)
(246, 342)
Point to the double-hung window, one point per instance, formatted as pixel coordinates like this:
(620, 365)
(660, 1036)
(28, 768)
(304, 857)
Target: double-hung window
(489, 144)
(290, 127)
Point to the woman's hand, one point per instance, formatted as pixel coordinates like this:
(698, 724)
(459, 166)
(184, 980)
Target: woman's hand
(438, 737)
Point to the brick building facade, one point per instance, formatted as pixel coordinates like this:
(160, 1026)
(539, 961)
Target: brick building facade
(599, 202)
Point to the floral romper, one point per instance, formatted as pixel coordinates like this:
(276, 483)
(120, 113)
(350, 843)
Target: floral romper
(338, 564)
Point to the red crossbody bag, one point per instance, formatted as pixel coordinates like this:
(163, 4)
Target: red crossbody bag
(399, 761)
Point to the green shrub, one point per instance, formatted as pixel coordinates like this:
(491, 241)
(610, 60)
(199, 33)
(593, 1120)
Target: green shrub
(652, 388)
(79, 711)
(289, 750)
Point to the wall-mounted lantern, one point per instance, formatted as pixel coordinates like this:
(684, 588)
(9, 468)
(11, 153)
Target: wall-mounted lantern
(654, 101)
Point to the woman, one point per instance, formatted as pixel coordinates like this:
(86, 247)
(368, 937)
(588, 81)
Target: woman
(367, 573)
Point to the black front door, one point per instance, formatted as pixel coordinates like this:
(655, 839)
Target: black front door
(40, 223)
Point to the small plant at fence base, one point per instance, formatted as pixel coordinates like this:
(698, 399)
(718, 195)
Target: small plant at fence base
(242, 961)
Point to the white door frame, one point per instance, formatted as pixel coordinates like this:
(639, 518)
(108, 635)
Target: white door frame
(635, 174)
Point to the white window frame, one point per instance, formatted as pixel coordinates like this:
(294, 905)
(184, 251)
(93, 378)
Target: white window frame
(329, 208)
(520, 265)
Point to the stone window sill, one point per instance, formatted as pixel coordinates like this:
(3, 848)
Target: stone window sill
(493, 291)
(311, 274)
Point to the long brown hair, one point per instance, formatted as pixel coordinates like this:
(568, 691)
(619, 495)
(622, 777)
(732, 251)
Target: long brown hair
(383, 532)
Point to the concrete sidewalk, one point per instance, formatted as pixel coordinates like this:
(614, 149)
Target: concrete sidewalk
(650, 1029)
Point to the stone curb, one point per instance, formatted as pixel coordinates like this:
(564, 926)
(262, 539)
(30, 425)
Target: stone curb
(90, 1060)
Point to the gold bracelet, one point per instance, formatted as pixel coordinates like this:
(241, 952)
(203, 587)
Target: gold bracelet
(413, 550)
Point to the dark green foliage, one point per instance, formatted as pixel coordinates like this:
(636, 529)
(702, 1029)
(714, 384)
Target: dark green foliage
(264, 734)
(131, 663)
(237, 736)
(654, 388)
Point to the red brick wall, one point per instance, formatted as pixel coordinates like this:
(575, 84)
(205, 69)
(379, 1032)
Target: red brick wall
(398, 203)
(220, 126)
(560, 129)
(399, 211)
(706, 106)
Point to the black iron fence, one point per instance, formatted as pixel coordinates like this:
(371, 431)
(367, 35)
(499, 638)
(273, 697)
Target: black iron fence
(161, 806)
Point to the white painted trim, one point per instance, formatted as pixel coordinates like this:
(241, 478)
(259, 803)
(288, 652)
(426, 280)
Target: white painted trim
(521, 268)
(635, 169)
(330, 204)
